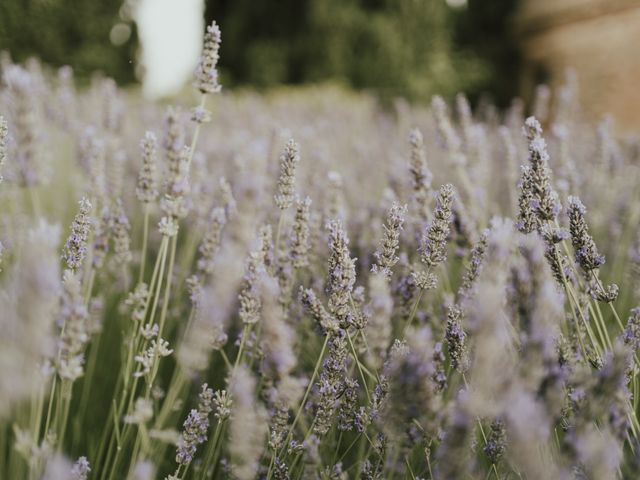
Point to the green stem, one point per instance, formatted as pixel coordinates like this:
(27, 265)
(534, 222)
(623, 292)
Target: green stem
(145, 236)
(414, 310)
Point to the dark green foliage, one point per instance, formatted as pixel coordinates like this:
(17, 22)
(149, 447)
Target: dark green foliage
(67, 32)
(484, 28)
(410, 48)
(394, 47)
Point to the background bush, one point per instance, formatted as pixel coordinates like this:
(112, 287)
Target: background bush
(411, 48)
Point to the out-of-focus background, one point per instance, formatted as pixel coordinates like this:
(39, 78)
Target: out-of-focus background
(490, 49)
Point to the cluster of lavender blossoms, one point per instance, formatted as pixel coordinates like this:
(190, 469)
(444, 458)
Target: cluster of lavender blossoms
(224, 309)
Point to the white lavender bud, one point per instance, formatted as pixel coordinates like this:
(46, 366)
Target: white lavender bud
(147, 190)
(286, 183)
(148, 358)
(207, 71)
(434, 242)
(200, 115)
(168, 226)
(75, 250)
(81, 469)
(142, 412)
(222, 405)
(386, 254)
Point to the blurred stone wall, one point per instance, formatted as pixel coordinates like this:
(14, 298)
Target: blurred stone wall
(599, 39)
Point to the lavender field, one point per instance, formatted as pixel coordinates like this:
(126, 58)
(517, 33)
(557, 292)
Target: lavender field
(304, 285)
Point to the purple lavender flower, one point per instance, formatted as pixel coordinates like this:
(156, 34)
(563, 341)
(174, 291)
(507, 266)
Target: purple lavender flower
(75, 249)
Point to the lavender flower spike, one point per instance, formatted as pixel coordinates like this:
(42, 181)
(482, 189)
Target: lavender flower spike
(75, 250)
(4, 132)
(81, 469)
(147, 190)
(434, 248)
(286, 184)
(207, 71)
(386, 255)
(544, 198)
(195, 427)
(586, 251)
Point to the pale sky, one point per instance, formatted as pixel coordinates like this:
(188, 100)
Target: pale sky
(170, 33)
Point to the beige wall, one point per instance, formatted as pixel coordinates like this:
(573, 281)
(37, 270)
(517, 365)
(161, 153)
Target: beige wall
(599, 39)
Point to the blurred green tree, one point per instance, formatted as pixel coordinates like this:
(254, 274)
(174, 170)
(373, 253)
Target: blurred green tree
(484, 29)
(68, 32)
(411, 48)
(395, 47)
